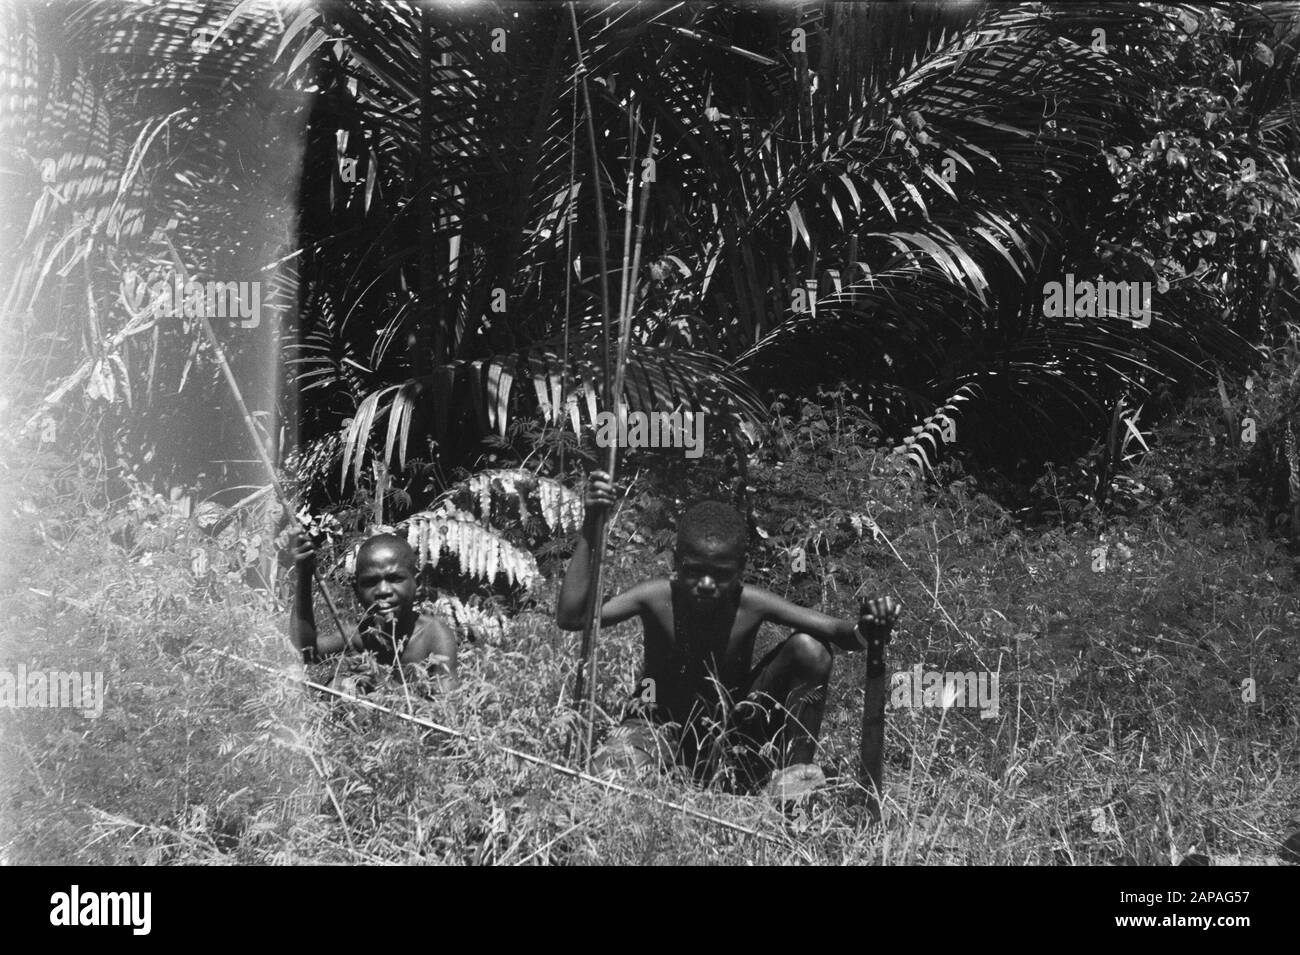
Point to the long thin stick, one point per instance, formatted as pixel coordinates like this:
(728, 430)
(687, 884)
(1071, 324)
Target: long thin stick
(602, 231)
(257, 438)
(570, 213)
(591, 631)
(630, 305)
(592, 647)
(627, 231)
(627, 298)
(509, 751)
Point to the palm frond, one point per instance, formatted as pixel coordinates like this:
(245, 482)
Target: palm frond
(659, 379)
(937, 430)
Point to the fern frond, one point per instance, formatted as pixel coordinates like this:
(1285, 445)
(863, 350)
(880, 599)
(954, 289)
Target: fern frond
(466, 619)
(480, 551)
(503, 496)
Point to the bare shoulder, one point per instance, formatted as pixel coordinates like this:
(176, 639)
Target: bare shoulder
(652, 592)
(654, 597)
(767, 606)
(637, 601)
(434, 627)
(432, 636)
(757, 599)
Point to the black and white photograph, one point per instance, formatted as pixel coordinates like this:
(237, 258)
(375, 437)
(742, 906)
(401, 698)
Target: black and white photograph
(628, 433)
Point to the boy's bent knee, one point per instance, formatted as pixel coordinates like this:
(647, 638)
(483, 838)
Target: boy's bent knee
(809, 656)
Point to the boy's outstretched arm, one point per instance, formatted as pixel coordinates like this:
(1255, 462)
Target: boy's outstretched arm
(878, 612)
(302, 618)
(571, 608)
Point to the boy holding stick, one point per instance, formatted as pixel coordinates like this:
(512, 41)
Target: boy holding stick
(698, 676)
(390, 626)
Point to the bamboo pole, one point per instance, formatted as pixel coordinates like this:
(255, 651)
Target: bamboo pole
(591, 631)
(602, 236)
(627, 238)
(570, 213)
(630, 305)
(591, 644)
(262, 453)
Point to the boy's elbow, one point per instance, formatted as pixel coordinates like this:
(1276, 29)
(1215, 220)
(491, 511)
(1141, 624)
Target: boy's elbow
(304, 641)
(568, 618)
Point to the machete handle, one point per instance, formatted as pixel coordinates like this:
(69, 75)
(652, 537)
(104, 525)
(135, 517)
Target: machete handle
(873, 641)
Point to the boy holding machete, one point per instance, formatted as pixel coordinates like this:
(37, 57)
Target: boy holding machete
(701, 693)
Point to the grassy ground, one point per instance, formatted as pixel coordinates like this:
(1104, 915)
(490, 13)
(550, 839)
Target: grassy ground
(1122, 735)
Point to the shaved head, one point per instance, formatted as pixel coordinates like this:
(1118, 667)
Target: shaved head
(397, 546)
(714, 527)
